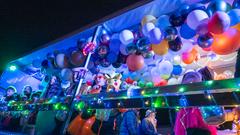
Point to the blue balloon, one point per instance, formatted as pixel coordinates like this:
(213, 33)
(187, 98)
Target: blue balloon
(234, 15)
(115, 45)
(236, 4)
(112, 57)
(162, 22)
(186, 32)
(177, 70)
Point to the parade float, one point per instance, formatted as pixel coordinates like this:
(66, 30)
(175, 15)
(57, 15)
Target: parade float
(137, 58)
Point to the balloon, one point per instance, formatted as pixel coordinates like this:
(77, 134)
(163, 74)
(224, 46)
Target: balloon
(162, 22)
(188, 57)
(87, 128)
(195, 17)
(76, 125)
(186, 47)
(36, 63)
(186, 32)
(229, 73)
(165, 67)
(102, 51)
(236, 4)
(61, 60)
(172, 81)
(81, 44)
(177, 70)
(234, 15)
(112, 57)
(77, 58)
(218, 5)
(202, 27)
(126, 37)
(176, 60)
(160, 49)
(147, 28)
(148, 54)
(122, 58)
(207, 49)
(205, 41)
(170, 33)
(135, 62)
(165, 76)
(66, 74)
(123, 49)
(237, 27)
(162, 82)
(219, 22)
(176, 44)
(131, 48)
(105, 39)
(155, 36)
(147, 19)
(176, 19)
(105, 63)
(184, 11)
(142, 44)
(227, 42)
(116, 65)
(197, 6)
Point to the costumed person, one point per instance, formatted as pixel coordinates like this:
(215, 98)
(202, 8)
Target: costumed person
(46, 120)
(130, 123)
(99, 84)
(189, 121)
(113, 83)
(149, 123)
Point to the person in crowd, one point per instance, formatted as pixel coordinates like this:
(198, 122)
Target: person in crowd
(27, 91)
(189, 121)
(149, 123)
(11, 94)
(130, 123)
(54, 88)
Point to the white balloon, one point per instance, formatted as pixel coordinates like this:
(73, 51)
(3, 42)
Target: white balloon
(187, 46)
(195, 17)
(147, 28)
(177, 60)
(180, 79)
(173, 81)
(126, 37)
(165, 67)
(228, 73)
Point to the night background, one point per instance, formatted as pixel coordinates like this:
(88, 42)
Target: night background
(28, 25)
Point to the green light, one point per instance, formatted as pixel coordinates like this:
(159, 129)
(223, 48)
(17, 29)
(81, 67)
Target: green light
(157, 103)
(89, 111)
(80, 105)
(156, 91)
(177, 108)
(237, 90)
(12, 68)
(181, 89)
(57, 106)
(63, 107)
(209, 82)
(143, 92)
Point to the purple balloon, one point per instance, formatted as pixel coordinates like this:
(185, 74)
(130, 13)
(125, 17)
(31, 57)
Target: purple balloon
(202, 29)
(105, 39)
(155, 36)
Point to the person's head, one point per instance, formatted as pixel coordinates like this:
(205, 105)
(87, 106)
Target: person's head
(27, 90)
(192, 77)
(207, 73)
(54, 80)
(35, 96)
(150, 113)
(11, 90)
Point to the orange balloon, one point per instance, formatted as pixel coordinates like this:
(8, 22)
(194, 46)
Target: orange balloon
(76, 125)
(226, 43)
(87, 127)
(189, 57)
(161, 48)
(135, 62)
(237, 26)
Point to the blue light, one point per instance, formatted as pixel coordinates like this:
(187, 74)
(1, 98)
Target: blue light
(12, 68)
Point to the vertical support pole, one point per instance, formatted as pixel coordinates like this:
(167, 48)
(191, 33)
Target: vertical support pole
(76, 91)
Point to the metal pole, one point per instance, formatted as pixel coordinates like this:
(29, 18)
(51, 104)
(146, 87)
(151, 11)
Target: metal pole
(76, 91)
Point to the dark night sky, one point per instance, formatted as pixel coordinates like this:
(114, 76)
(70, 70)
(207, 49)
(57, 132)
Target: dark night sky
(29, 24)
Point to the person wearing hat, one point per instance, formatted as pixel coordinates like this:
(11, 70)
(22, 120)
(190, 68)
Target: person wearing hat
(149, 123)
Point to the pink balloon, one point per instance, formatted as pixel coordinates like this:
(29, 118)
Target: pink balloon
(219, 22)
